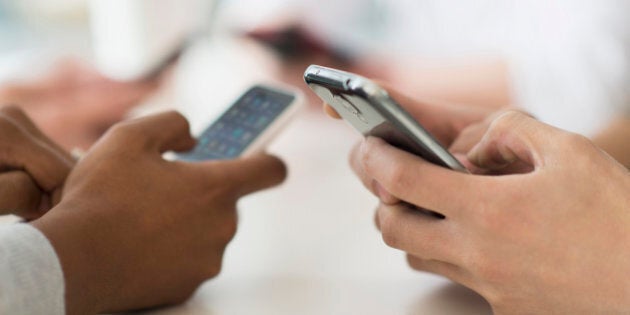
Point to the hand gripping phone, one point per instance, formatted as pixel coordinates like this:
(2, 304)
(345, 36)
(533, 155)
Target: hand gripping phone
(371, 111)
(247, 126)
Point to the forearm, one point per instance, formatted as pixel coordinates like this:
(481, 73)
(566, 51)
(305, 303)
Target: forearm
(615, 139)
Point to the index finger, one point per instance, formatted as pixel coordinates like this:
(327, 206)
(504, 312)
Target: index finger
(421, 183)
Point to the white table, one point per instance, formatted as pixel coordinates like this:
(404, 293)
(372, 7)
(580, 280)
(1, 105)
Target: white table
(310, 246)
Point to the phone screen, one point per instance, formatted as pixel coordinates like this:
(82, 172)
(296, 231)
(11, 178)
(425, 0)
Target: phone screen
(230, 135)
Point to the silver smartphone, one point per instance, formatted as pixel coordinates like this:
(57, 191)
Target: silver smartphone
(248, 125)
(371, 111)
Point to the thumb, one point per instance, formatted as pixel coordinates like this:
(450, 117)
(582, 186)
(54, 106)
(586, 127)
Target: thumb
(248, 175)
(161, 132)
(514, 138)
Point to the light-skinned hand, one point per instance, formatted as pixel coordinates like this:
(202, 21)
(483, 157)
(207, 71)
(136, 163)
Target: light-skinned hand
(456, 127)
(551, 240)
(134, 230)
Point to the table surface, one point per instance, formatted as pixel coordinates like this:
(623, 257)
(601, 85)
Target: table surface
(309, 246)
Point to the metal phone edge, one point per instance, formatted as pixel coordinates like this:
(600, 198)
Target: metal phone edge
(382, 102)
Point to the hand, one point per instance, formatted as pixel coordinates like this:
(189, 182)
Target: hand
(134, 230)
(554, 240)
(32, 168)
(74, 104)
(457, 127)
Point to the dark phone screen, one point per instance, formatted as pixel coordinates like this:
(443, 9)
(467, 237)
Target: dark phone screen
(230, 135)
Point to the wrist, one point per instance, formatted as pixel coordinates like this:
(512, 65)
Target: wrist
(78, 265)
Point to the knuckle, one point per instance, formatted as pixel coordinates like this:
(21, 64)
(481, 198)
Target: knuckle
(395, 181)
(389, 228)
(175, 121)
(229, 228)
(275, 170)
(365, 158)
(368, 154)
(179, 119)
(119, 129)
(415, 263)
(355, 159)
(21, 179)
(175, 116)
(377, 222)
(389, 238)
(576, 141)
(125, 131)
(510, 116)
(211, 270)
(222, 218)
(505, 122)
(398, 179)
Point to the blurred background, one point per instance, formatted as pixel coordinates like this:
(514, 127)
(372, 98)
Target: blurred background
(78, 66)
(565, 61)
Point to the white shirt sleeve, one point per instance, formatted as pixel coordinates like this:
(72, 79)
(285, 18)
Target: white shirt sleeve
(574, 69)
(31, 278)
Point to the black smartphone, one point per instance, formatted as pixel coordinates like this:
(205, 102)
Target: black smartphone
(371, 111)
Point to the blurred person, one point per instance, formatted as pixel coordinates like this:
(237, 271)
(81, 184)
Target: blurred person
(67, 97)
(73, 103)
(541, 226)
(567, 62)
(130, 230)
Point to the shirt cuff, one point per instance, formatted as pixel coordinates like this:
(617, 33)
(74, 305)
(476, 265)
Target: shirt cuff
(31, 278)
